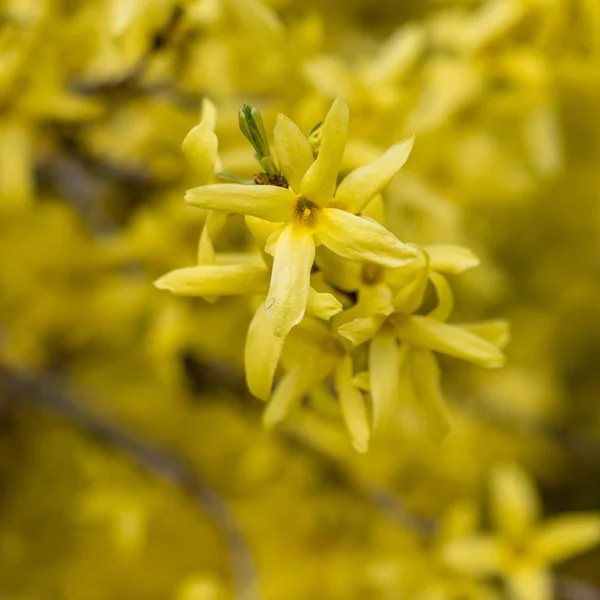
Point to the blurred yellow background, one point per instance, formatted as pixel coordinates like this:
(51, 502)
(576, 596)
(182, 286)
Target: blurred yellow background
(133, 463)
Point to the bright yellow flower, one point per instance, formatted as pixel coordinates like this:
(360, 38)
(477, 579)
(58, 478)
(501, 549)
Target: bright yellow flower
(401, 344)
(308, 214)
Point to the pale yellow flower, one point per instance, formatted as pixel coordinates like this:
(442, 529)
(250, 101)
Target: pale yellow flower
(522, 549)
(306, 210)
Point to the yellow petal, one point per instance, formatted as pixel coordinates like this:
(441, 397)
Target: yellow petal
(329, 75)
(200, 149)
(427, 333)
(496, 332)
(398, 54)
(514, 501)
(565, 536)
(359, 331)
(215, 221)
(530, 584)
(261, 354)
(384, 373)
(476, 555)
(286, 398)
(320, 180)
(343, 274)
(208, 113)
(445, 297)
(411, 294)
(290, 280)
(362, 381)
(425, 375)
(292, 150)
(296, 384)
(361, 185)
(261, 24)
(353, 406)
(450, 258)
(219, 280)
(357, 238)
(16, 160)
(322, 305)
(268, 202)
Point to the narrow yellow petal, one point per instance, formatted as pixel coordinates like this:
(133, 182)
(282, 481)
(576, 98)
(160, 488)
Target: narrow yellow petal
(322, 305)
(358, 238)
(496, 332)
(208, 113)
(513, 498)
(268, 202)
(384, 373)
(427, 333)
(219, 280)
(286, 398)
(290, 280)
(450, 258)
(425, 374)
(215, 221)
(359, 331)
(398, 54)
(200, 149)
(353, 406)
(445, 297)
(362, 381)
(343, 274)
(320, 180)
(293, 151)
(567, 535)
(530, 584)
(329, 75)
(361, 185)
(261, 354)
(297, 383)
(476, 555)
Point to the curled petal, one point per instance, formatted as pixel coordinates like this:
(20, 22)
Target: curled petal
(361, 185)
(359, 331)
(357, 238)
(261, 354)
(293, 151)
(290, 280)
(322, 305)
(215, 280)
(200, 149)
(427, 333)
(445, 297)
(268, 202)
(320, 180)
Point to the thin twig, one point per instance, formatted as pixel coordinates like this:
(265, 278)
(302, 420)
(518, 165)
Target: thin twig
(42, 391)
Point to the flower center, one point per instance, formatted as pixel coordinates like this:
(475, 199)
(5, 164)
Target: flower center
(305, 212)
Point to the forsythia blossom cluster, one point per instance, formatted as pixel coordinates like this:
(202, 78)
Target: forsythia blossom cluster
(331, 279)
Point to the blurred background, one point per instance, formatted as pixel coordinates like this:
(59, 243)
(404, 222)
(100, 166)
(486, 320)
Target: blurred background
(133, 464)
